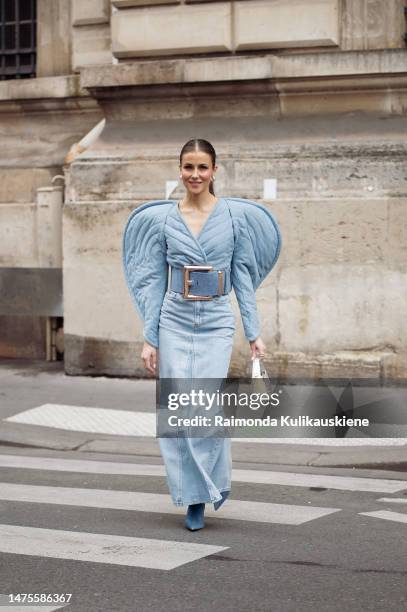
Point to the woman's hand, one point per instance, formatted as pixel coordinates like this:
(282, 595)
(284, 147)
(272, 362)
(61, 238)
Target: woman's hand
(257, 347)
(149, 356)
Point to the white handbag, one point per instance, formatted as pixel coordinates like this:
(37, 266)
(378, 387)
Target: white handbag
(258, 369)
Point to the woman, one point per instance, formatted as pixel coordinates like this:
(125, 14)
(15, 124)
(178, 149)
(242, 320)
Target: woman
(187, 314)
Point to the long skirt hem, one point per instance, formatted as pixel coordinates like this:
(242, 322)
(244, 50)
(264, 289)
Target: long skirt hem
(199, 500)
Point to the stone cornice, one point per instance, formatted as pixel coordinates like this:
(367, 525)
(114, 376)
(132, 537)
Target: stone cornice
(294, 67)
(42, 88)
(45, 94)
(373, 82)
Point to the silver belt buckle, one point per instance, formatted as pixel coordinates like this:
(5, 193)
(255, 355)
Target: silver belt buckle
(188, 282)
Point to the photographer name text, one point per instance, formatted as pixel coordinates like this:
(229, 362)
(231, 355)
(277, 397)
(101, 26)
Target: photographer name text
(282, 421)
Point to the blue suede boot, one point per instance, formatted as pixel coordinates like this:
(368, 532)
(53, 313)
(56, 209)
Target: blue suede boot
(217, 504)
(195, 517)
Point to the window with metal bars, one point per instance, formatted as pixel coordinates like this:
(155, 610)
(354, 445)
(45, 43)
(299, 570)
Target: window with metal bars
(18, 19)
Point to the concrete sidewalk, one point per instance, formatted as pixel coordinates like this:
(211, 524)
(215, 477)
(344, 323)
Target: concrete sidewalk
(28, 384)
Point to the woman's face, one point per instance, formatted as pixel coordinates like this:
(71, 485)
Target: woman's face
(197, 171)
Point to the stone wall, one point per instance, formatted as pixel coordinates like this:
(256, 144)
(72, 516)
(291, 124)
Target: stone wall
(334, 304)
(372, 24)
(39, 119)
(318, 104)
(91, 39)
(222, 27)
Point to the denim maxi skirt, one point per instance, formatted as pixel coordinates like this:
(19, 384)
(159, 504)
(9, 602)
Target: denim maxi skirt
(196, 341)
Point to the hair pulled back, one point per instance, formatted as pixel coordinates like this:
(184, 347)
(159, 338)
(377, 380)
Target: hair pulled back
(199, 144)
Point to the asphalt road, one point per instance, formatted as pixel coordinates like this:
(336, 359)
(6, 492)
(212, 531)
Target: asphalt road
(303, 544)
(85, 511)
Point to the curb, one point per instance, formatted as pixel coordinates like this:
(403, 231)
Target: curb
(290, 454)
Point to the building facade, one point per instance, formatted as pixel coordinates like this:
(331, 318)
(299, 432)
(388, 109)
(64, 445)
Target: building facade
(305, 102)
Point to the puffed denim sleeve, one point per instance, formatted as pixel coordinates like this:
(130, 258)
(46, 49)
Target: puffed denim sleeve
(145, 267)
(257, 245)
(241, 277)
(153, 288)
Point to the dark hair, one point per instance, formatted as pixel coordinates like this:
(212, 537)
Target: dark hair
(199, 144)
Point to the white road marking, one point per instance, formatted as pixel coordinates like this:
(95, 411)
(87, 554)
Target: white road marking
(284, 514)
(81, 465)
(94, 420)
(393, 500)
(349, 441)
(387, 515)
(101, 548)
(348, 483)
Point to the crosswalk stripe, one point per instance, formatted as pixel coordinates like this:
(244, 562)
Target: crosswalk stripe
(81, 465)
(393, 500)
(387, 515)
(16, 607)
(285, 514)
(85, 418)
(350, 483)
(102, 548)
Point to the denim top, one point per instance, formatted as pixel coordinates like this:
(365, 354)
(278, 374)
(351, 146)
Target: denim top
(236, 236)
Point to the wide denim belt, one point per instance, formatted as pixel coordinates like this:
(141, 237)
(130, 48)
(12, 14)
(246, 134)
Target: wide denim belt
(200, 282)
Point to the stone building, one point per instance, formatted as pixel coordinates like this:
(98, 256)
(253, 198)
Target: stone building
(305, 102)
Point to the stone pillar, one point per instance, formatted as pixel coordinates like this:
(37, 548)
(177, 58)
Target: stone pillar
(91, 36)
(54, 37)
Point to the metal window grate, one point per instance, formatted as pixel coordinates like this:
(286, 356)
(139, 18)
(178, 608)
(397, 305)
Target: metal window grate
(18, 42)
